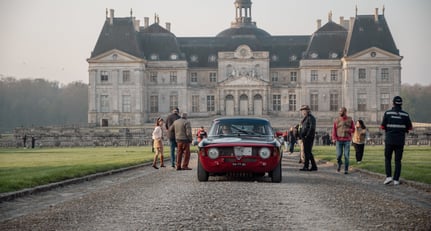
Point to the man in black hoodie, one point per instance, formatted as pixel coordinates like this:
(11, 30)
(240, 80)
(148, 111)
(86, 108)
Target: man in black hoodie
(396, 124)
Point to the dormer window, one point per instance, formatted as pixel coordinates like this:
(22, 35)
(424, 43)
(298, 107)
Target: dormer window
(314, 55)
(194, 58)
(274, 58)
(333, 55)
(212, 58)
(174, 56)
(154, 57)
(293, 58)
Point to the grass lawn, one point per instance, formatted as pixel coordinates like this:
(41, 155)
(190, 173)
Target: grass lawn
(416, 162)
(25, 168)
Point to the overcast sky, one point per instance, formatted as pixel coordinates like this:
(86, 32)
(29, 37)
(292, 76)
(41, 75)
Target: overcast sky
(52, 39)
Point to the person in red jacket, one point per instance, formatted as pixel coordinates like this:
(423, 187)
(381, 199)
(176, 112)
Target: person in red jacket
(342, 132)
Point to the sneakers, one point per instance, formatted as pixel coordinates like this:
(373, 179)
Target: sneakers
(346, 172)
(388, 180)
(396, 182)
(359, 162)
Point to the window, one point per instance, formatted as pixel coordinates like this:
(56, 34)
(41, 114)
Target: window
(210, 103)
(274, 76)
(194, 77)
(334, 75)
(195, 103)
(104, 103)
(362, 75)
(385, 74)
(173, 101)
(154, 103)
(314, 76)
(384, 101)
(292, 102)
(153, 77)
(104, 76)
(293, 76)
(213, 77)
(126, 103)
(173, 77)
(126, 77)
(276, 102)
(333, 102)
(362, 102)
(314, 102)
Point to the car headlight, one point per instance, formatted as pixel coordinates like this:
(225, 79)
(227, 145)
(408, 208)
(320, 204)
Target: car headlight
(213, 153)
(264, 153)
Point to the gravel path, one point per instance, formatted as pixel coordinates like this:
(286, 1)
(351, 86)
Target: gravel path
(165, 199)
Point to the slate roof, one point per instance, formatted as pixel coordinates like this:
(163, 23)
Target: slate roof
(120, 35)
(368, 33)
(288, 50)
(328, 39)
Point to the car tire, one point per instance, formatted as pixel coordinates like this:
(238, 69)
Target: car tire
(276, 174)
(202, 174)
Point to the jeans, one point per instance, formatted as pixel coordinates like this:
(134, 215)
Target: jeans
(173, 144)
(398, 150)
(343, 147)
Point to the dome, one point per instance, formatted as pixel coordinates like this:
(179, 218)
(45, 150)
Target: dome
(246, 31)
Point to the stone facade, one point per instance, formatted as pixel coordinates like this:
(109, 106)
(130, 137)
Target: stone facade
(139, 73)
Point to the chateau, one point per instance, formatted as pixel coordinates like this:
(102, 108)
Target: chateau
(140, 72)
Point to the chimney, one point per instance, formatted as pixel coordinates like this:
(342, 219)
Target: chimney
(146, 22)
(168, 26)
(137, 24)
(319, 23)
(111, 16)
(376, 14)
(344, 23)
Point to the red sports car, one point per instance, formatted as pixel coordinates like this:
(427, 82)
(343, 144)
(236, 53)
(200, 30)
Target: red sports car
(240, 145)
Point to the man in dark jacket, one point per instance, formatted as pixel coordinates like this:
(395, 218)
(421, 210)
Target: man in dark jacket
(307, 130)
(183, 136)
(396, 124)
(169, 121)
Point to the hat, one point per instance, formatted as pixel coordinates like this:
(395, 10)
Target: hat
(176, 110)
(397, 100)
(305, 107)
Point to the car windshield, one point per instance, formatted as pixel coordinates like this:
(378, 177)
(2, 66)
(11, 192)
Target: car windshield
(240, 127)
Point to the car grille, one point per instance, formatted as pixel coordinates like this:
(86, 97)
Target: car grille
(230, 151)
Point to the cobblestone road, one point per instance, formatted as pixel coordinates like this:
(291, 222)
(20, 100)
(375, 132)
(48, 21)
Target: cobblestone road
(165, 199)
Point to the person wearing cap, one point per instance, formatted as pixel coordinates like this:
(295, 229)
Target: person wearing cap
(169, 121)
(183, 135)
(157, 136)
(307, 130)
(342, 132)
(396, 124)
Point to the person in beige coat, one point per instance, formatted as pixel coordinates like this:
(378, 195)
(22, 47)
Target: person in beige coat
(183, 136)
(158, 143)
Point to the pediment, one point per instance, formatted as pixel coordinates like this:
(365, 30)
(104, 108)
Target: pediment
(374, 53)
(244, 81)
(115, 56)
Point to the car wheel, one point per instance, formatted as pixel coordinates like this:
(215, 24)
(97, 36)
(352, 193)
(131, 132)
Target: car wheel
(276, 174)
(202, 174)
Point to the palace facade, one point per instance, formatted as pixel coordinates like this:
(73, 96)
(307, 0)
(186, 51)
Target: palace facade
(138, 73)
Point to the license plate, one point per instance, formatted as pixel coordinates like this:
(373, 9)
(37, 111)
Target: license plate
(238, 164)
(242, 151)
